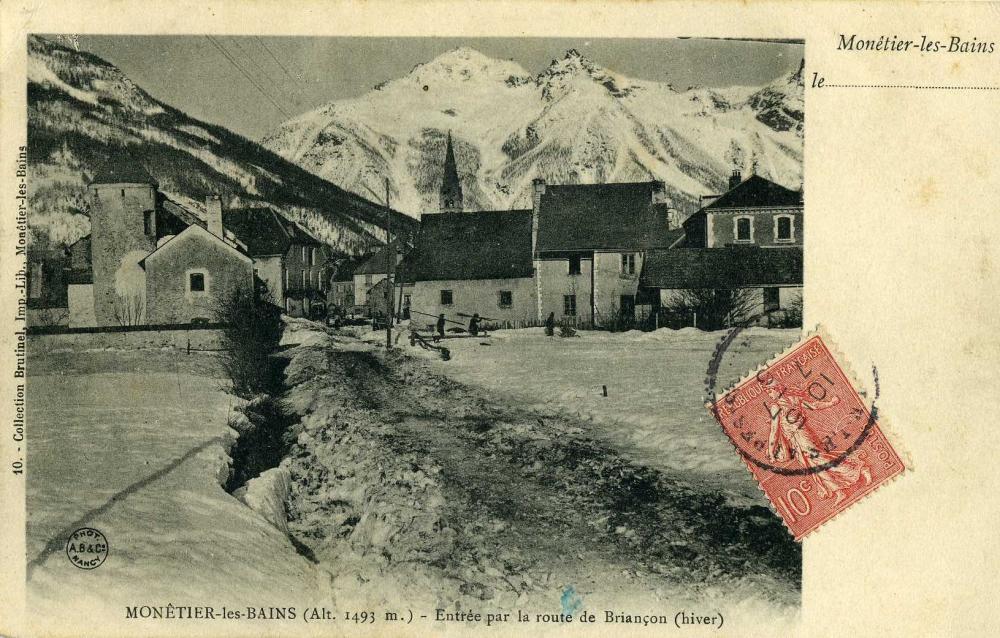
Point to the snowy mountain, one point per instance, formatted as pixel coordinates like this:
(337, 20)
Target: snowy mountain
(82, 110)
(573, 122)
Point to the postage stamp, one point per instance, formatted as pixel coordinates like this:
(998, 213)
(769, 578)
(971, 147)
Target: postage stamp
(813, 445)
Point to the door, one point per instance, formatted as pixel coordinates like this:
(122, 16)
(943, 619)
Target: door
(627, 307)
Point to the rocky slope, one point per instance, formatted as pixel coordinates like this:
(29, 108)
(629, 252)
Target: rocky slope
(82, 110)
(575, 121)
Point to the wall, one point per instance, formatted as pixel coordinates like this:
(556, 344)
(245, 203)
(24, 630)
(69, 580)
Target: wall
(723, 228)
(169, 300)
(470, 297)
(554, 281)
(269, 269)
(610, 283)
(201, 339)
(116, 232)
(81, 305)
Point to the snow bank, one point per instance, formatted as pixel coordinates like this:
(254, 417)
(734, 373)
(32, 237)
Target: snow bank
(267, 494)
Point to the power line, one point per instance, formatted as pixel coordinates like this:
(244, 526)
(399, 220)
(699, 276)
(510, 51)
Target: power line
(253, 62)
(225, 53)
(275, 58)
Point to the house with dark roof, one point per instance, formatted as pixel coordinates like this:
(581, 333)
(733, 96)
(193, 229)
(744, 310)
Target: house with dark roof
(589, 244)
(117, 275)
(748, 238)
(289, 261)
(464, 263)
(374, 267)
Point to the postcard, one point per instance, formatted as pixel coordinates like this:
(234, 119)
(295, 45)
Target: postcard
(509, 318)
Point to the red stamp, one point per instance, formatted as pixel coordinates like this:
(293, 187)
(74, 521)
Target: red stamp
(814, 447)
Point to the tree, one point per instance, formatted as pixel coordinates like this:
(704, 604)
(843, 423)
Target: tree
(714, 308)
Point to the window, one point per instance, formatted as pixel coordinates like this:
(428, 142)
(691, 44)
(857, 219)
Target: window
(368, 280)
(305, 279)
(772, 299)
(446, 298)
(406, 301)
(123, 193)
(505, 298)
(148, 223)
(196, 282)
(305, 259)
(783, 229)
(569, 305)
(288, 279)
(744, 229)
(312, 256)
(628, 264)
(574, 265)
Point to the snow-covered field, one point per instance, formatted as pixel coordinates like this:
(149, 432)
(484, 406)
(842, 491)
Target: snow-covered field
(134, 445)
(654, 410)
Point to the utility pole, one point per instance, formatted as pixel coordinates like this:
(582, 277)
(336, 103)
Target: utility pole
(390, 257)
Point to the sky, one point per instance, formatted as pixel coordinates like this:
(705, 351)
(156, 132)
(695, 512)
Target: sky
(252, 84)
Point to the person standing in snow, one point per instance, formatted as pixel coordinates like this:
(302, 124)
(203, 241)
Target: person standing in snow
(474, 325)
(440, 325)
(550, 324)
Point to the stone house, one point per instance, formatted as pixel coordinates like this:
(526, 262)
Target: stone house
(289, 261)
(589, 243)
(753, 212)
(375, 267)
(748, 238)
(190, 273)
(472, 262)
(118, 274)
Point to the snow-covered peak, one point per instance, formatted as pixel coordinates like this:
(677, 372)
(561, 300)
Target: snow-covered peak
(465, 64)
(576, 70)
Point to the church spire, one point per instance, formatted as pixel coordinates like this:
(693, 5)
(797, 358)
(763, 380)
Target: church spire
(451, 187)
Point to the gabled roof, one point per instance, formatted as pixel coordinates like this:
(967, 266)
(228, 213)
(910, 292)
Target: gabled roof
(297, 234)
(375, 263)
(122, 170)
(602, 216)
(481, 245)
(259, 228)
(757, 192)
(177, 239)
(731, 267)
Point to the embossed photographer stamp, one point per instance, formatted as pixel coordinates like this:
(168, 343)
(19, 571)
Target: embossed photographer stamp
(802, 429)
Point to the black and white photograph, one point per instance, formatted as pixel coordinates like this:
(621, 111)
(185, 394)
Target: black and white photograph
(407, 326)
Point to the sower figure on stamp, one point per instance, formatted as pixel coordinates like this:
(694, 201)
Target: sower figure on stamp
(794, 436)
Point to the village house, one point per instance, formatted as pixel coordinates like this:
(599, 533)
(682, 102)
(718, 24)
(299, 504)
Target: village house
(749, 238)
(289, 261)
(577, 253)
(589, 243)
(374, 268)
(472, 262)
(150, 259)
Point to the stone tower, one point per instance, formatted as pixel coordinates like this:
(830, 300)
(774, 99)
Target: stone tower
(451, 187)
(122, 231)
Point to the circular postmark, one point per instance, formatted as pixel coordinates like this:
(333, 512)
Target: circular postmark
(835, 457)
(87, 548)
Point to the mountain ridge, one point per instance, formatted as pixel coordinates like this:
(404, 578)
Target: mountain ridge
(82, 109)
(573, 121)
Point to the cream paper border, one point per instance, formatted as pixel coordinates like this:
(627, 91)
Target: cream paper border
(901, 263)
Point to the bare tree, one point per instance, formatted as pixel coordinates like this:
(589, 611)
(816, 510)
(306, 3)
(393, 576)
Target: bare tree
(130, 309)
(715, 308)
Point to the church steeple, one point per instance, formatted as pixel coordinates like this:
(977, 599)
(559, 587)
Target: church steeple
(451, 187)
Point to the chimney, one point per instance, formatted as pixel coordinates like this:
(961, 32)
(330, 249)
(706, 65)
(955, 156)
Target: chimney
(659, 192)
(673, 219)
(213, 215)
(734, 179)
(537, 190)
